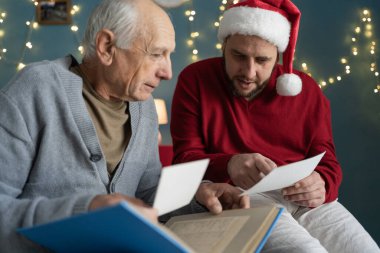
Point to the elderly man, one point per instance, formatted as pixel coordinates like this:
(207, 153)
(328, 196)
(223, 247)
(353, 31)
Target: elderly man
(249, 114)
(76, 137)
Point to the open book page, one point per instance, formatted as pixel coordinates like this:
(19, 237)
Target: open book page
(240, 230)
(209, 235)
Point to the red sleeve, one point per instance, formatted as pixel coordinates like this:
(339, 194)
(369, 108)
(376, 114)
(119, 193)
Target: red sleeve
(186, 129)
(329, 167)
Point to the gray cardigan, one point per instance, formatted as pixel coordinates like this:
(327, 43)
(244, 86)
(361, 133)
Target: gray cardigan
(51, 162)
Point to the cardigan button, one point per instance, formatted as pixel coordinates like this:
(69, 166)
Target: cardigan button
(95, 158)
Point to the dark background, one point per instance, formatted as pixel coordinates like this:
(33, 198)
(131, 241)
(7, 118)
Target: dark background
(325, 37)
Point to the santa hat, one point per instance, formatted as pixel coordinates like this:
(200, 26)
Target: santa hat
(276, 21)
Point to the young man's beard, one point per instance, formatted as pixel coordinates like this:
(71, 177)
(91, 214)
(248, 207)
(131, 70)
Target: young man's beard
(250, 95)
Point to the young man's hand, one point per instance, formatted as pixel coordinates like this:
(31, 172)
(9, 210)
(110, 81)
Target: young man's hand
(309, 192)
(246, 170)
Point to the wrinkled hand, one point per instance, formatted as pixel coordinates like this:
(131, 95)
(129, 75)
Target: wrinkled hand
(220, 196)
(309, 191)
(115, 198)
(246, 170)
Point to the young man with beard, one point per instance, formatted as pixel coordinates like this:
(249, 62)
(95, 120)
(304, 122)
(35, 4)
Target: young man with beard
(249, 114)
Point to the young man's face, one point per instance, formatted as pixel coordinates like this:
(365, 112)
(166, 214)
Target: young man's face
(249, 61)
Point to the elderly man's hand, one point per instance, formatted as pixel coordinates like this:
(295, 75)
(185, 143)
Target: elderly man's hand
(220, 196)
(309, 191)
(113, 199)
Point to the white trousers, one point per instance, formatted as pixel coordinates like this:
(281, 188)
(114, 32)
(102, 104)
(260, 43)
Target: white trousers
(327, 228)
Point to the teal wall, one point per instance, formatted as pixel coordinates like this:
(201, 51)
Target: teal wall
(325, 33)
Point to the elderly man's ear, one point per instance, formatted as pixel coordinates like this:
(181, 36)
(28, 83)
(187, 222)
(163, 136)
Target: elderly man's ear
(105, 46)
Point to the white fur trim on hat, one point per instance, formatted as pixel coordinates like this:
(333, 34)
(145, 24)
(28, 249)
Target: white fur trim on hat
(244, 20)
(288, 85)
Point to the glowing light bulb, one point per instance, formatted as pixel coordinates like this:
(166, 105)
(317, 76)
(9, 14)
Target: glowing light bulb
(218, 46)
(194, 34)
(190, 42)
(74, 28)
(368, 34)
(339, 78)
(20, 66)
(76, 7)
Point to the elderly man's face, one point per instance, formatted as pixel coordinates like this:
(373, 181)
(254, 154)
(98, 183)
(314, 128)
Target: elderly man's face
(140, 68)
(249, 61)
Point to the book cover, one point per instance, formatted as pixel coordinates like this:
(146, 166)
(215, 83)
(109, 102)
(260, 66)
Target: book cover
(121, 229)
(113, 229)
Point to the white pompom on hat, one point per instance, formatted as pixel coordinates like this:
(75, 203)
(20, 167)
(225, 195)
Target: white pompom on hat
(276, 21)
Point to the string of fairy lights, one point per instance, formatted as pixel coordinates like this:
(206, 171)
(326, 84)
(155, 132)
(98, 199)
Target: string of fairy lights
(191, 41)
(32, 25)
(225, 4)
(363, 31)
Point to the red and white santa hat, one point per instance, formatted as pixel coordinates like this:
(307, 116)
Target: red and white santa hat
(276, 21)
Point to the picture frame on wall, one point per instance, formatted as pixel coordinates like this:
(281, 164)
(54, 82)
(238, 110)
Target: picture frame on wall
(53, 12)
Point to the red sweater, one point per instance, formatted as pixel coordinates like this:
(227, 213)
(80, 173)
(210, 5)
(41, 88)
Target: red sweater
(208, 121)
